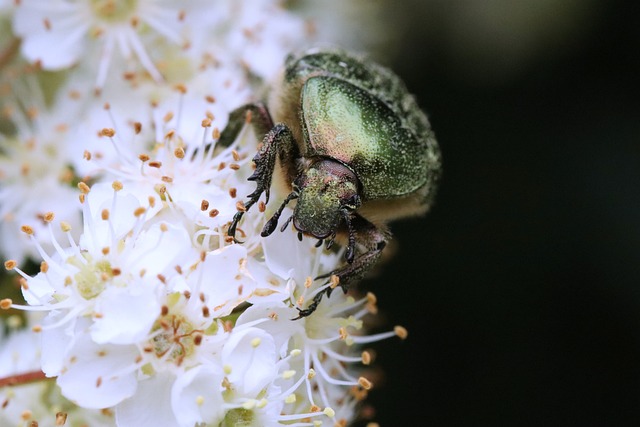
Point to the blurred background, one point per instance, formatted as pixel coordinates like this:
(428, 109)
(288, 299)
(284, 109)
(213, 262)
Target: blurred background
(521, 288)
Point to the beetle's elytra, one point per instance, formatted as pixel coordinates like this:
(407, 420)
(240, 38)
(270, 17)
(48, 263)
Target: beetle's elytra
(353, 148)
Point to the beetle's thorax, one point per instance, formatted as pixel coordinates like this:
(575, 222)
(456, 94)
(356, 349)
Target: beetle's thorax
(328, 190)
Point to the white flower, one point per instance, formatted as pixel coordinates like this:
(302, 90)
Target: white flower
(149, 309)
(144, 299)
(37, 401)
(36, 173)
(264, 31)
(58, 33)
(146, 33)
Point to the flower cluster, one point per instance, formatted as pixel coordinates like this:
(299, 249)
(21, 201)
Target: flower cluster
(145, 311)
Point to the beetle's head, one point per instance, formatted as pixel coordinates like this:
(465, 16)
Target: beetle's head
(327, 194)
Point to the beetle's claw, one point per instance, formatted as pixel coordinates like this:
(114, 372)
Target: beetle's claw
(319, 243)
(314, 304)
(269, 227)
(303, 313)
(350, 253)
(330, 241)
(234, 224)
(286, 224)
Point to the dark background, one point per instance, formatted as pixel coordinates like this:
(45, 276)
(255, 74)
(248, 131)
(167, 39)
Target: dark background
(521, 288)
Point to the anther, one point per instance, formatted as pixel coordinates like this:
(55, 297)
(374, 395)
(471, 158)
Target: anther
(365, 383)
(401, 332)
(343, 333)
(61, 418)
(84, 188)
(334, 280)
(329, 412)
(366, 357)
(108, 132)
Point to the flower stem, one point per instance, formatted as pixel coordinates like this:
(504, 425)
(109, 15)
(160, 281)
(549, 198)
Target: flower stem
(21, 379)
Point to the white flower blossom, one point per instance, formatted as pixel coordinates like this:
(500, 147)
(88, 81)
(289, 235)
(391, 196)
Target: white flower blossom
(58, 33)
(150, 314)
(36, 401)
(36, 171)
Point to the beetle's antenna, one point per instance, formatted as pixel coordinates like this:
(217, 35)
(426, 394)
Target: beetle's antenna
(351, 248)
(270, 226)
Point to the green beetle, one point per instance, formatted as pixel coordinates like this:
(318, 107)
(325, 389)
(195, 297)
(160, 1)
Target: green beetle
(353, 148)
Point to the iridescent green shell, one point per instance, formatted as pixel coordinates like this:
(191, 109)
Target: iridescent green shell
(361, 114)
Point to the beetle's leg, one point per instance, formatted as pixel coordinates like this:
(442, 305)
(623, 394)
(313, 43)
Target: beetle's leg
(374, 241)
(255, 115)
(278, 141)
(270, 226)
(351, 246)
